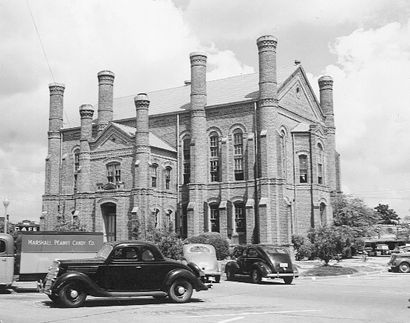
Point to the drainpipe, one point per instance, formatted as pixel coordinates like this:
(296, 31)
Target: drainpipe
(312, 212)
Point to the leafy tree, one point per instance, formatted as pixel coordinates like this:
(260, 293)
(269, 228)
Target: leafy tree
(387, 215)
(70, 226)
(303, 247)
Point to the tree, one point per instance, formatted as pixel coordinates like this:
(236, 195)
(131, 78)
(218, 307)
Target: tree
(70, 226)
(387, 215)
(220, 244)
(328, 242)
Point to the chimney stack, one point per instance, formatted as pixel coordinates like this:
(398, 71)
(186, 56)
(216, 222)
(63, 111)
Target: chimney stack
(86, 113)
(142, 149)
(105, 98)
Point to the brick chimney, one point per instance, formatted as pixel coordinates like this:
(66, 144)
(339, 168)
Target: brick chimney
(105, 98)
(142, 149)
(84, 180)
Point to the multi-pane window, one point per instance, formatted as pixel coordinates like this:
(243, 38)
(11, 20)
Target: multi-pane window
(214, 156)
(154, 175)
(303, 169)
(283, 153)
(320, 164)
(114, 173)
(240, 219)
(187, 160)
(238, 154)
(214, 219)
(167, 177)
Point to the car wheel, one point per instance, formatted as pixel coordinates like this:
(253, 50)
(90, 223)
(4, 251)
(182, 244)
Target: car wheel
(256, 276)
(180, 291)
(217, 279)
(288, 280)
(230, 275)
(72, 295)
(404, 267)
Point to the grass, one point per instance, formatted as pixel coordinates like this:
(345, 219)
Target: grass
(331, 270)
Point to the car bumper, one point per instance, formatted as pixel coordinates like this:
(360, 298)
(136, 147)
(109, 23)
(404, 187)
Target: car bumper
(281, 275)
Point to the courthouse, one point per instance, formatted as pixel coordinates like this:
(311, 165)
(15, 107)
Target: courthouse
(248, 156)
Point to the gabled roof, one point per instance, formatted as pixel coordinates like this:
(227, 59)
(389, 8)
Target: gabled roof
(238, 88)
(154, 141)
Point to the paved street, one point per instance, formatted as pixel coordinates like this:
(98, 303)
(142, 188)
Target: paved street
(381, 297)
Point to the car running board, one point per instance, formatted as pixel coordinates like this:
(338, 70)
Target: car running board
(135, 294)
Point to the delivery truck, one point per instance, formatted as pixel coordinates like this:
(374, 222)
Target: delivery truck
(31, 254)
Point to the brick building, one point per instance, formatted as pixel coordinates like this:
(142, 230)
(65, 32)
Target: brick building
(245, 156)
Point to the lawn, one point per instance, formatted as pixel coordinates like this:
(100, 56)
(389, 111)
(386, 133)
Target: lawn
(331, 270)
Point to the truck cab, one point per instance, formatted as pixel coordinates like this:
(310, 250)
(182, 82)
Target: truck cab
(6, 260)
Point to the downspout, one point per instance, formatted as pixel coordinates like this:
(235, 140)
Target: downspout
(312, 213)
(293, 217)
(256, 176)
(178, 210)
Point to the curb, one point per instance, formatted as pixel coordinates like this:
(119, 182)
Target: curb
(369, 273)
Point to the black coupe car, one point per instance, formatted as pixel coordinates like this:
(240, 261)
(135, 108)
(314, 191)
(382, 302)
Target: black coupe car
(262, 261)
(131, 268)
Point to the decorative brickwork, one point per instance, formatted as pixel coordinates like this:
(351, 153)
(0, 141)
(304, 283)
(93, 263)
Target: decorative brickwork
(256, 170)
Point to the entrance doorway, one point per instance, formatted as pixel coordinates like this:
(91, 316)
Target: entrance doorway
(109, 213)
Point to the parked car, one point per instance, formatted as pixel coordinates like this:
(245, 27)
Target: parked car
(262, 261)
(130, 268)
(382, 249)
(204, 256)
(399, 262)
(401, 249)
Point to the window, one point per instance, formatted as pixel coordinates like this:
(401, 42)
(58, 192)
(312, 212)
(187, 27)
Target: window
(154, 171)
(238, 154)
(214, 157)
(114, 173)
(214, 218)
(320, 164)
(303, 169)
(187, 160)
(2, 246)
(76, 168)
(283, 154)
(167, 177)
(240, 219)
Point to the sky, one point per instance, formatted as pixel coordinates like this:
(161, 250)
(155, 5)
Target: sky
(363, 44)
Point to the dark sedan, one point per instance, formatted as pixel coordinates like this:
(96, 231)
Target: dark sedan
(262, 262)
(130, 268)
(400, 262)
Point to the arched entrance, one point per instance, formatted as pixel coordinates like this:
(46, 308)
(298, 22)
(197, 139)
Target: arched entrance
(322, 210)
(109, 212)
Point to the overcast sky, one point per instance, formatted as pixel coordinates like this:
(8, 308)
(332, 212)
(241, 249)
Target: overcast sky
(363, 44)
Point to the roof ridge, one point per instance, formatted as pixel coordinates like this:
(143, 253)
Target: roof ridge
(183, 86)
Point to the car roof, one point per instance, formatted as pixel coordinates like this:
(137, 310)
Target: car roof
(130, 242)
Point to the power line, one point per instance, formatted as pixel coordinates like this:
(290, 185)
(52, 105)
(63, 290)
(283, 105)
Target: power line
(39, 38)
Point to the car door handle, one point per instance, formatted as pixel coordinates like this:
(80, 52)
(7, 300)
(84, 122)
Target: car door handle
(138, 267)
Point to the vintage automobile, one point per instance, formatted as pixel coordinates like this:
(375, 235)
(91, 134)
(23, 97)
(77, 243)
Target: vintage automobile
(203, 255)
(6, 260)
(262, 261)
(128, 268)
(399, 262)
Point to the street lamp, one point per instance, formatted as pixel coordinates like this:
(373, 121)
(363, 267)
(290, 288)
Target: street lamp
(6, 203)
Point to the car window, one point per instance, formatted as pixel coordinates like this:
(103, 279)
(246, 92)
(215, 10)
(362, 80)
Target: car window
(129, 253)
(252, 253)
(199, 249)
(275, 250)
(2, 246)
(147, 255)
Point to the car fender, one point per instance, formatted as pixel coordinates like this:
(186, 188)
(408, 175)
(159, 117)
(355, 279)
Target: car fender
(85, 281)
(180, 273)
(262, 267)
(232, 266)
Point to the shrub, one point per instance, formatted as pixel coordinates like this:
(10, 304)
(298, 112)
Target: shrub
(220, 244)
(168, 243)
(303, 247)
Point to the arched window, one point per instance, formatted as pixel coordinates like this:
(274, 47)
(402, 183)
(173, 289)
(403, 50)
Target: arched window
(240, 218)
(322, 209)
(214, 218)
(114, 172)
(214, 157)
(76, 167)
(167, 177)
(320, 164)
(154, 175)
(238, 155)
(303, 169)
(186, 143)
(283, 156)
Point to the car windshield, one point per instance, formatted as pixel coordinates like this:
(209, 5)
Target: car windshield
(275, 250)
(199, 249)
(104, 251)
